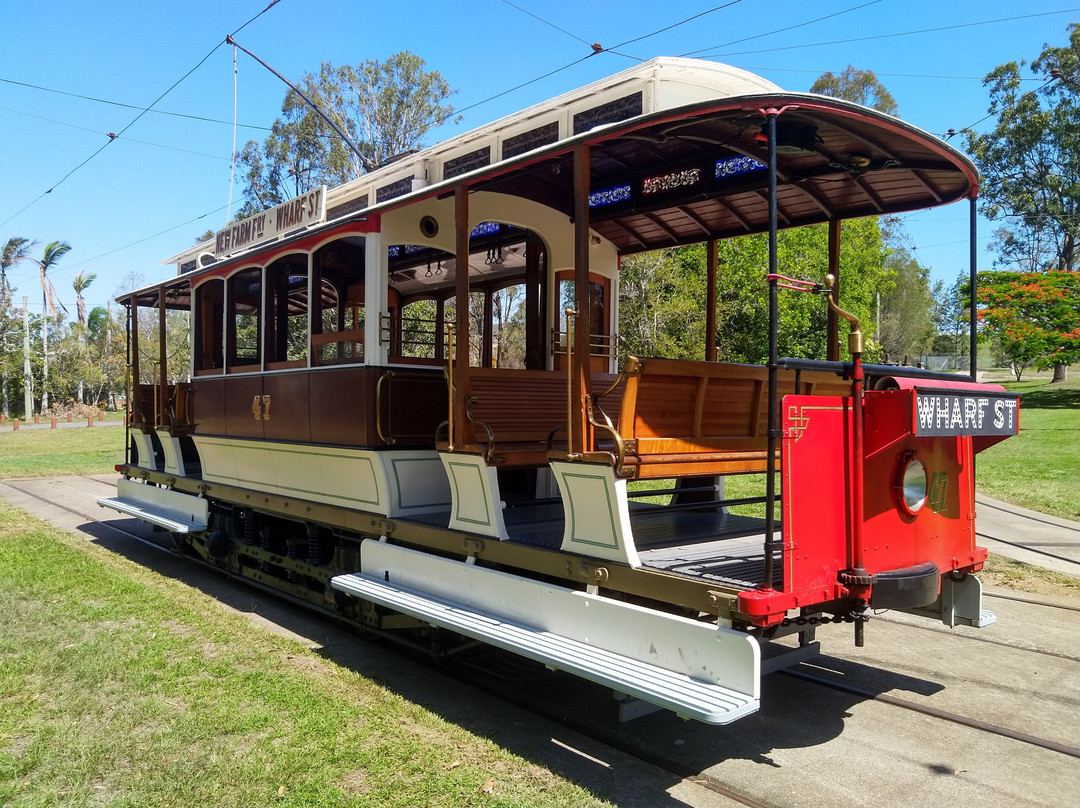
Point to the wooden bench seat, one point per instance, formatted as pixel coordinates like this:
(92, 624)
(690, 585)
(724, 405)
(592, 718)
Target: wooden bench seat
(519, 409)
(682, 417)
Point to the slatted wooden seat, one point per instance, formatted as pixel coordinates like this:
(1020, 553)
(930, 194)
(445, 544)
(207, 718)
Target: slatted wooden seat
(683, 418)
(519, 409)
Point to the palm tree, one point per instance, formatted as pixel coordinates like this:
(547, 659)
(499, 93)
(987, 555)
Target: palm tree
(80, 284)
(16, 250)
(54, 251)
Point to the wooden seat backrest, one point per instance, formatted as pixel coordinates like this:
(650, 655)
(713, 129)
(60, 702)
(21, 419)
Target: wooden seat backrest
(525, 405)
(676, 406)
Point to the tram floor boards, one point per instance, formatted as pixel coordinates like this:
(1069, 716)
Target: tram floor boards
(725, 548)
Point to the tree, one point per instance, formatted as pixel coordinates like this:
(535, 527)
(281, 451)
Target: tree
(385, 107)
(1036, 315)
(858, 86)
(54, 251)
(1030, 161)
(905, 321)
(16, 250)
(660, 306)
(80, 285)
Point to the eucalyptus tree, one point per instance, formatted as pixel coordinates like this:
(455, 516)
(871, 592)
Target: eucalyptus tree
(1030, 160)
(385, 107)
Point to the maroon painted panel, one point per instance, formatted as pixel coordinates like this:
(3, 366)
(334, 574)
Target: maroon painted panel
(243, 414)
(341, 408)
(286, 407)
(208, 405)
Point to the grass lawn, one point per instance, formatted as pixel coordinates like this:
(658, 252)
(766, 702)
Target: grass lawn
(49, 452)
(119, 687)
(1039, 468)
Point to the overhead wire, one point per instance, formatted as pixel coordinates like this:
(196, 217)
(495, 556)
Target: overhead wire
(886, 36)
(184, 115)
(784, 29)
(98, 132)
(596, 48)
(112, 137)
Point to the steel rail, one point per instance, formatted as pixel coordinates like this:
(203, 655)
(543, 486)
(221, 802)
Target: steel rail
(934, 712)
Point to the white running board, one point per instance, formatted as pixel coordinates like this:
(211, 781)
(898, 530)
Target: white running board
(695, 669)
(162, 507)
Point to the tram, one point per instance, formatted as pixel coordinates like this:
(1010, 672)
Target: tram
(352, 434)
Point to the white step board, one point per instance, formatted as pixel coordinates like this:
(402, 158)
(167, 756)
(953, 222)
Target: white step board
(695, 669)
(163, 507)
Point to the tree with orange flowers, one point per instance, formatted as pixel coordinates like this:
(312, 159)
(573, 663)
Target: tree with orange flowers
(1036, 315)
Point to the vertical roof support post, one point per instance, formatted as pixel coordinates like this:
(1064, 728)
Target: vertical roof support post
(134, 394)
(832, 326)
(163, 360)
(774, 325)
(132, 379)
(461, 316)
(583, 327)
(710, 302)
(973, 324)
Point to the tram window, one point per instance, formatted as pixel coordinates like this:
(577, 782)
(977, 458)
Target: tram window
(245, 306)
(599, 340)
(337, 312)
(419, 329)
(287, 312)
(508, 327)
(209, 314)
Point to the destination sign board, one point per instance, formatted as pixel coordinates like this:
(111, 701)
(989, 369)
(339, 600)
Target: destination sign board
(953, 412)
(303, 211)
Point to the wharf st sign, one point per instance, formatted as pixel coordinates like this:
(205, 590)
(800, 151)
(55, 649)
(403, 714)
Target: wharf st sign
(950, 412)
(303, 211)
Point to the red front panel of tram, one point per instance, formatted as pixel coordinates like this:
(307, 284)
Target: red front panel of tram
(816, 464)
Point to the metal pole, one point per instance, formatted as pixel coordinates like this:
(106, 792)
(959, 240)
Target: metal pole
(774, 324)
(710, 302)
(28, 378)
(973, 287)
(832, 327)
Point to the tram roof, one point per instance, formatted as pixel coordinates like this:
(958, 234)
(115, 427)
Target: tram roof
(677, 157)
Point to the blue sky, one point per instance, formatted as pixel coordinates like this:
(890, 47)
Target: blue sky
(165, 179)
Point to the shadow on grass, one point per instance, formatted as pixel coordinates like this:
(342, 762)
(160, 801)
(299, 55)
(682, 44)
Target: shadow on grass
(1050, 398)
(552, 708)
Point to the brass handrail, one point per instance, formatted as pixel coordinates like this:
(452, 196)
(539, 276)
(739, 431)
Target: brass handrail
(855, 338)
(570, 314)
(157, 378)
(451, 329)
(387, 439)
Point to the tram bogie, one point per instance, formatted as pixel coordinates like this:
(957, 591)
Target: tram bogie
(357, 433)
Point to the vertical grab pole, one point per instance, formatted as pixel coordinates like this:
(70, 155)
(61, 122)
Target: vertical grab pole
(710, 301)
(774, 427)
(973, 335)
(461, 316)
(583, 324)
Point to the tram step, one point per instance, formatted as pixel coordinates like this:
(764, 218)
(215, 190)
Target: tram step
(633, 650)
(162, 507)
